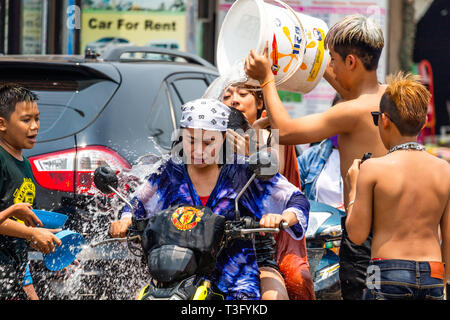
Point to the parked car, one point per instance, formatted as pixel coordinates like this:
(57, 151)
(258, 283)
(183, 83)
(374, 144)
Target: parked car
(167, 44)
(105, 43)
(94, 112)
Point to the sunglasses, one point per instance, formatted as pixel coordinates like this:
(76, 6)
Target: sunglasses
(376, 116)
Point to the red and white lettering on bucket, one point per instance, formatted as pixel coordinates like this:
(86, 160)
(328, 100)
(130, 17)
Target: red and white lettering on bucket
(296, 42)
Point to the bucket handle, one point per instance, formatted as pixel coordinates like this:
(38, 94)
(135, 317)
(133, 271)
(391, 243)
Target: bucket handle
(303, 43)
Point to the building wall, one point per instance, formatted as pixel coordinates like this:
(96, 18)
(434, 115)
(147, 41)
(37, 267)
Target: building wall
(395, 35)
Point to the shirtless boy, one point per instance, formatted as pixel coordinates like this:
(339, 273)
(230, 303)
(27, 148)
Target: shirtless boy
(404, 197)
(355, 45)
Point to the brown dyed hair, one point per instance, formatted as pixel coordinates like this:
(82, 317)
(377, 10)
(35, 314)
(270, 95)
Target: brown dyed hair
(406, 101)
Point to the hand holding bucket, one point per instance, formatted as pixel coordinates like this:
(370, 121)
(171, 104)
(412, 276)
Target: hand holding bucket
(258, 66)
(296, 42)
(68, 243)
(66, 253)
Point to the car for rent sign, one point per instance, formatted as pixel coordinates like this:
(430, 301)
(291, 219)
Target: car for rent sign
(112, 23)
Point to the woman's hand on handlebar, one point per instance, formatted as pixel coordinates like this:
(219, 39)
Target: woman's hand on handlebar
(271, 220)
(119, 228)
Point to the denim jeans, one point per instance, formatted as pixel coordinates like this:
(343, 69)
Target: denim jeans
(402, 279)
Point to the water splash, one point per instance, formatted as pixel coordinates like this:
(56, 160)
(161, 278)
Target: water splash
(236, 75)
(109, 271)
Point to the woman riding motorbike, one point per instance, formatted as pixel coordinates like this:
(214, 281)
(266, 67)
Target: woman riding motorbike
(203, 178)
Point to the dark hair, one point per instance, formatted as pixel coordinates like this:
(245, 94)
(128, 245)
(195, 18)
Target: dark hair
(12, 94)
(237, 120)
(368, 56)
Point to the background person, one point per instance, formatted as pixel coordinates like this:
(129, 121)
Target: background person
(404, 197)
(284, 270)
(320, 174)
(19, 126)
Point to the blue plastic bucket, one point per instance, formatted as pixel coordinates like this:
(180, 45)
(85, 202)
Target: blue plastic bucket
(51, 220)
(66, 253)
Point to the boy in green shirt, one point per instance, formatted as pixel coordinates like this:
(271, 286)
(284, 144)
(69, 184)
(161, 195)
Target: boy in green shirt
(19, 125)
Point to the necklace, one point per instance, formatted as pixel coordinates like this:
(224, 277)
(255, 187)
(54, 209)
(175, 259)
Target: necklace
(408, 146)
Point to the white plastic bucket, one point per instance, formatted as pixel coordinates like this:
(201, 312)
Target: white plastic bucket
(296, 42)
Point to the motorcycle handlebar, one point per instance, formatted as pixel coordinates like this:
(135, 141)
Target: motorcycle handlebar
(282, 226)
(248, 226)
(96, 244)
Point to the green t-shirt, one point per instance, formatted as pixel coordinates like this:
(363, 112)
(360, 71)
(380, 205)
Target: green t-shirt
(16, 185)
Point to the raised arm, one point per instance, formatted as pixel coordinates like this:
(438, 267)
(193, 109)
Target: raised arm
(307, 129)
(331, 79)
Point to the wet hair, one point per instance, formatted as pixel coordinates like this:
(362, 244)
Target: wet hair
(405, 102)
(12, 94)
(259, 97)
(358, 35)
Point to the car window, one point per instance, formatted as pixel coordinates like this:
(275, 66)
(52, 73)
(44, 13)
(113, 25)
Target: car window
(182, 88)
(159, 121)
(68, 106)
(107, 39)
(186, 89)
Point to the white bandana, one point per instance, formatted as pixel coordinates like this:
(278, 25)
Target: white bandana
(207, 114)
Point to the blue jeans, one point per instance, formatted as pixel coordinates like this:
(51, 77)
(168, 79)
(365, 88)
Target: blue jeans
(403, 279)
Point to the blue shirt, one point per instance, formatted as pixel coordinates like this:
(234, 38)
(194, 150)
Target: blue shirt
(27, 279)
(236, 273)
(310, 164)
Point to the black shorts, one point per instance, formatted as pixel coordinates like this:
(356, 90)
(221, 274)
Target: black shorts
(13, 261)
(266, 252)
(353, 263)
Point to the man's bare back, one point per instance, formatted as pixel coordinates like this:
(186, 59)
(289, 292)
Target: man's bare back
(409, 204)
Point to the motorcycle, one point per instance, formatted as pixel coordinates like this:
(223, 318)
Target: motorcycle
(323, 238)
(179, 262)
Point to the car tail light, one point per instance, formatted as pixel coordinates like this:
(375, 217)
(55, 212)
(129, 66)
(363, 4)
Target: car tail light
(72, 170)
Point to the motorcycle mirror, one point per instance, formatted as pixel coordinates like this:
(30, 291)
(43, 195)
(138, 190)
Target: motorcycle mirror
(104, 178)
(263, 164)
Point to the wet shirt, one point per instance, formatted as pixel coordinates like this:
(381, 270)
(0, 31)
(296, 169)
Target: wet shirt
(16, 185)
(236, 273)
